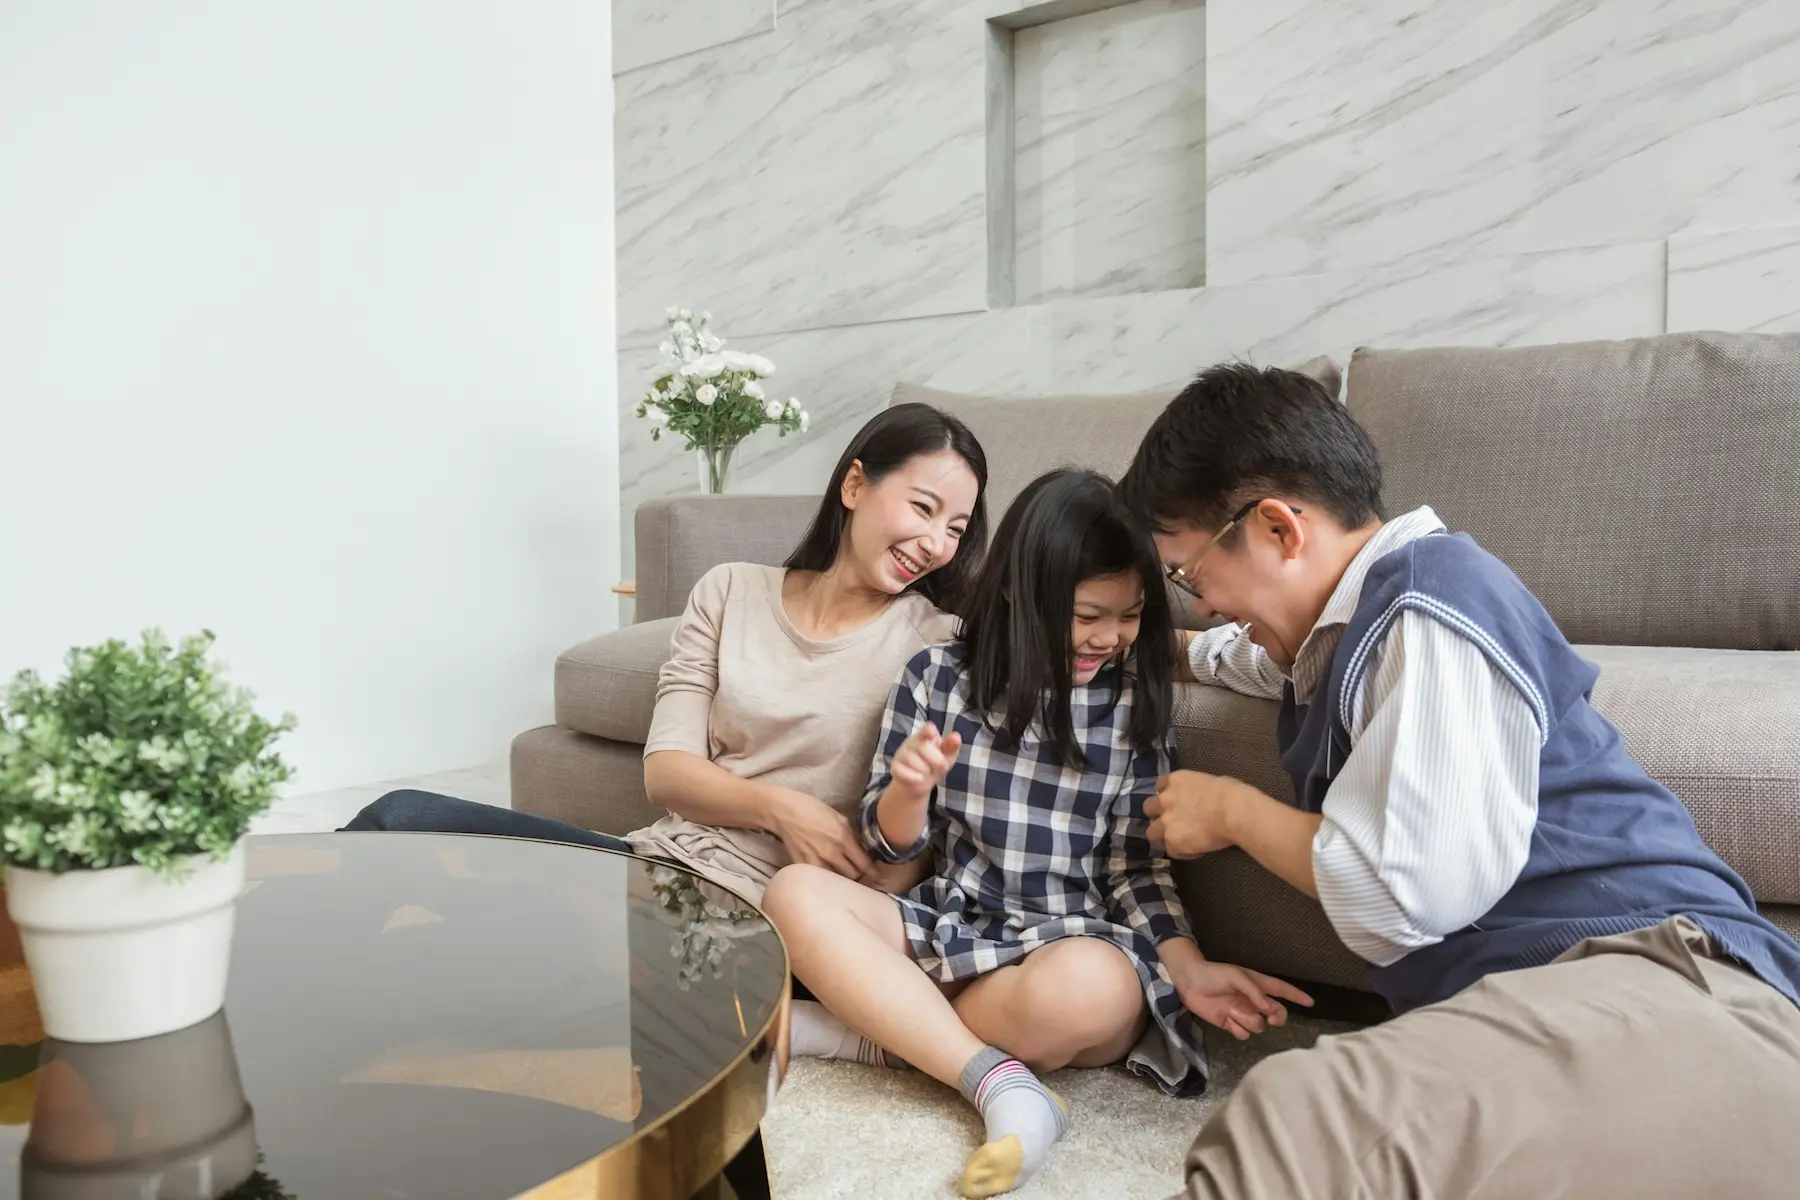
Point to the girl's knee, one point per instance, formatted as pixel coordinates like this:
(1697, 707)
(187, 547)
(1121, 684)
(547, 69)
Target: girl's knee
(1085, 996)
(1087, 972)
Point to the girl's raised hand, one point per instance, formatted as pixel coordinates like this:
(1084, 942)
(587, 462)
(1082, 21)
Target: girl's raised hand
(924, 759)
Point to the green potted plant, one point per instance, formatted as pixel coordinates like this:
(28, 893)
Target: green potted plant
(126, 788)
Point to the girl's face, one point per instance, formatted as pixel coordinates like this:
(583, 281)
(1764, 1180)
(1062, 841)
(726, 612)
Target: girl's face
(910, 522)
(1107, 612)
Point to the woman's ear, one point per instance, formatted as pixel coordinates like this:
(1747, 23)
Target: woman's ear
(855, 481)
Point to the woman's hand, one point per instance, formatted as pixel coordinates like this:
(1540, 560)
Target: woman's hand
(1236, 999)
(923, 760)
(818, 834)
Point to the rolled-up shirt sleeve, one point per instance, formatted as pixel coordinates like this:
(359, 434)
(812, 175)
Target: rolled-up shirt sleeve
(1225, 657)
(1429, 822)
(908, 708)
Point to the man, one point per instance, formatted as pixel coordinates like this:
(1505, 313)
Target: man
(1589, 1004)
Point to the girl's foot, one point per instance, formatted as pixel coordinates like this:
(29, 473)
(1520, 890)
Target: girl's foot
(1024, 1119)
(816, 1033)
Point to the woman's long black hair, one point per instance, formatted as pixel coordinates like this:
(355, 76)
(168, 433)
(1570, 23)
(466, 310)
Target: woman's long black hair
(1066, 527)
(892, 438)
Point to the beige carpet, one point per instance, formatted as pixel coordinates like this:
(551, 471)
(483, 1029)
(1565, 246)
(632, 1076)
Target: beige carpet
(863, 1133)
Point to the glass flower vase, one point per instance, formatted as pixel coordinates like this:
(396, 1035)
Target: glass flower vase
(715, 468)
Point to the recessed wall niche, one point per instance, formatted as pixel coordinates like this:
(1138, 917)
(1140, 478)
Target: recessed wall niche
(1097, 149)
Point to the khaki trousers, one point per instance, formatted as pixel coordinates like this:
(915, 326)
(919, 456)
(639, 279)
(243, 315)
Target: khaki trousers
(1637, 1066)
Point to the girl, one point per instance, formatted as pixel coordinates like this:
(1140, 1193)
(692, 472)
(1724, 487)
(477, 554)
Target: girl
(1050, 933)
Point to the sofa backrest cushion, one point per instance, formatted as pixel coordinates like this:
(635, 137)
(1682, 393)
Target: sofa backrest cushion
(1648, 491)
(1024, 438)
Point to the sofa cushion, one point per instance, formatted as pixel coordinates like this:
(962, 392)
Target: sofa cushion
(606, 686)
(1722, 729)
(1024, 437)
(1645, 490)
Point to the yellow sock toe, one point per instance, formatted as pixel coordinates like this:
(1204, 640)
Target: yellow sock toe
(993, 1169)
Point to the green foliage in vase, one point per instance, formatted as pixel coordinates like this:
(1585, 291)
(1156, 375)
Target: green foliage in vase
(140, 755)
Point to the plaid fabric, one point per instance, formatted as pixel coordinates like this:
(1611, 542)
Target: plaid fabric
(1029, 850)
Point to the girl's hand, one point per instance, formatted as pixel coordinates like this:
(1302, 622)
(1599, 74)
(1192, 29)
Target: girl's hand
(1238, 1000)
(923, 760)
(818, 834)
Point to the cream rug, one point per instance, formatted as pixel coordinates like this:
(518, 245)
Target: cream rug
(865, 1133)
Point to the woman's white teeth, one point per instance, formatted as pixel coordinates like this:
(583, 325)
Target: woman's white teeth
(912, 567)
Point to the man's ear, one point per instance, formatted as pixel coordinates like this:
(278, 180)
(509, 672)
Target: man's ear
(1284, 523)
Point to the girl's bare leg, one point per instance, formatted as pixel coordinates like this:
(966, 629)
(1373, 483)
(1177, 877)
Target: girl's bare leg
(848, 945)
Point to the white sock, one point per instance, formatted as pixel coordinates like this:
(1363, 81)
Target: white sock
(818, 1034)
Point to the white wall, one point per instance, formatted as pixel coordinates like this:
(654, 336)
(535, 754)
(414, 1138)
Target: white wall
(306, 336)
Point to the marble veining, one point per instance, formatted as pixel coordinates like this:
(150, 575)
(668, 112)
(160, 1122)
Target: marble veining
(1747, 281)
(1110, 183)
(832, 173)
(1370, 134)
(652, 31)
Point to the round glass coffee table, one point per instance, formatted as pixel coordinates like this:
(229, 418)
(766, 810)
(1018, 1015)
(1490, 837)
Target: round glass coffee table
(429, 1017)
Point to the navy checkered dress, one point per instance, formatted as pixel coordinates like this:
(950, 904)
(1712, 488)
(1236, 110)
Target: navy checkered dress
(1029, 850)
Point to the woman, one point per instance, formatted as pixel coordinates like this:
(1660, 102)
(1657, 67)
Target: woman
(769, 707)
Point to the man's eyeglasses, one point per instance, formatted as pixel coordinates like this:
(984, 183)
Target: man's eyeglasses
(1183, 576)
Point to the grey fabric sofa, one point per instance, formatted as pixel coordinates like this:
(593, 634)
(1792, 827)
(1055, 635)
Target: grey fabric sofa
(1648, 491)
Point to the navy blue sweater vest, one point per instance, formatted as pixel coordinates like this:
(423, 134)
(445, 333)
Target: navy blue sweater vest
(1612, 851)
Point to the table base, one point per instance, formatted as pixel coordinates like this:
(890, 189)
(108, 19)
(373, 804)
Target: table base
(745, 1177)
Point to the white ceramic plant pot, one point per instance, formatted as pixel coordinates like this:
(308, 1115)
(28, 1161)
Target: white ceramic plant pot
(123, 953)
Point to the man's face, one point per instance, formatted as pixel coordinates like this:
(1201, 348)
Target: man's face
(1244, 577)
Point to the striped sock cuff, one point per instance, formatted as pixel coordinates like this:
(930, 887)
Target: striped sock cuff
(1005, 1076)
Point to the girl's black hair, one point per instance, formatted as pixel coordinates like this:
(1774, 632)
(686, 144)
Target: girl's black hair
(1066, 527)
(892, 438)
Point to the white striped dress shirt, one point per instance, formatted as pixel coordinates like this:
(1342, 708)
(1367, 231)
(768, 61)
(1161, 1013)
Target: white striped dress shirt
(1428, 823)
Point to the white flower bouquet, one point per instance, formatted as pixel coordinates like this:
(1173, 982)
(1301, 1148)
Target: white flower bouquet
(711, 397)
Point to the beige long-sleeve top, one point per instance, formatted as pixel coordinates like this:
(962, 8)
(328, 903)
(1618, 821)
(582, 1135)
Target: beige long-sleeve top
(746, 689)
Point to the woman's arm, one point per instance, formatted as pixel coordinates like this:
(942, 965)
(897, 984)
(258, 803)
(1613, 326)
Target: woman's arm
(706, 793)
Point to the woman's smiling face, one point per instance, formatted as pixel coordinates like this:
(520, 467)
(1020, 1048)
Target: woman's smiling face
(908, 523)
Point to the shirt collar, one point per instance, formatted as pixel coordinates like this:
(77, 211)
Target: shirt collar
(1316, 651)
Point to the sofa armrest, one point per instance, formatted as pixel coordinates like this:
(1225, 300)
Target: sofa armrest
(681, 538)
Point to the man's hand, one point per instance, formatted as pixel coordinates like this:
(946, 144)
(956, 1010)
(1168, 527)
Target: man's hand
(818, 834)
(1191, 813)
(1238, 1000)
(923, 760)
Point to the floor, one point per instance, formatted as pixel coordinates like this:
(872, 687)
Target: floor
(845, 1131)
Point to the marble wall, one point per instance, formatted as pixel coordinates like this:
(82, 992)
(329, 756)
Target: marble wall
(1095, 195)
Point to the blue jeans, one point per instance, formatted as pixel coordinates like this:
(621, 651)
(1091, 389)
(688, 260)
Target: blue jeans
(409, 811)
